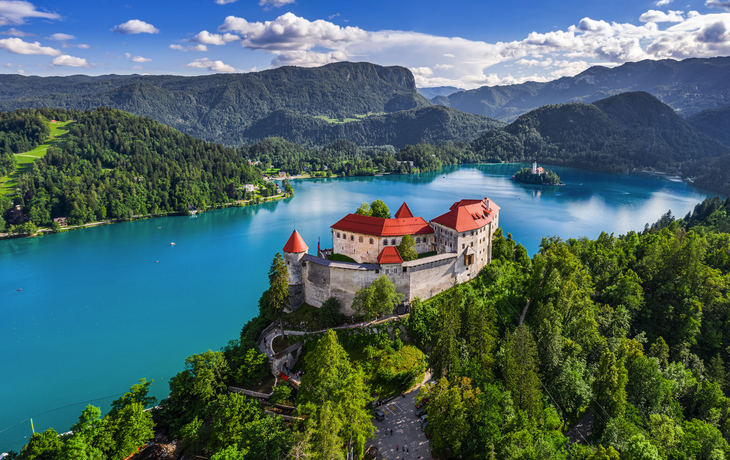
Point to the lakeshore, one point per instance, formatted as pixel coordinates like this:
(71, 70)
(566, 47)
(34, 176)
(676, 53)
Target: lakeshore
(207, 286)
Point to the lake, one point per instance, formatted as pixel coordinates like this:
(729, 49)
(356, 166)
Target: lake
(97, 312)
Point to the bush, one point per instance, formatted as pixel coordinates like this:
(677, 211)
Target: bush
(330, 312)
(341, 258)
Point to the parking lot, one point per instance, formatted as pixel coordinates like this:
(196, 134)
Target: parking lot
(407, 434)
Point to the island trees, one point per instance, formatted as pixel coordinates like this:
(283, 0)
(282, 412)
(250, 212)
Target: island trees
(547, 177)
(380, 298)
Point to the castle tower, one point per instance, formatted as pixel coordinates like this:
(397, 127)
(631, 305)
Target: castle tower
(534, 167)
(294, 249)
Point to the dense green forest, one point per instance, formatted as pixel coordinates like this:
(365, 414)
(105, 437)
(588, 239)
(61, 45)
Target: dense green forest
(113, 165)
(432, 125)
(631, 330)
(218, 108)
(715, 123)
(20, 131)
(688, 87)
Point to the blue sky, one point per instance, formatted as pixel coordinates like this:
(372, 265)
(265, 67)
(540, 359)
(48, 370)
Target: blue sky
(463, 44)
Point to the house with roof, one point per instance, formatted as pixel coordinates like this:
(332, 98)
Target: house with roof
(461, 238)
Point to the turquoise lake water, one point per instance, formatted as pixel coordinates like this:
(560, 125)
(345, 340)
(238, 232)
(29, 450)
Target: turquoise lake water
(97, 312)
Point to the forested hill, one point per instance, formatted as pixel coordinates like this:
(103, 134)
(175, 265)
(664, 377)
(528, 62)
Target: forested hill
(113, 165)
(217, 107)
(630, 130)
(689, 86)
(435, 125)
(715, 123)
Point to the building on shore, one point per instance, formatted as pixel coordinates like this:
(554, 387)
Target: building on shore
(460, 238)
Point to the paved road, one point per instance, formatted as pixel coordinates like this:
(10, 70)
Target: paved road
(400, 417)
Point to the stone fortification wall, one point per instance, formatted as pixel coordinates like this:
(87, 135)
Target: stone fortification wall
(422, 278)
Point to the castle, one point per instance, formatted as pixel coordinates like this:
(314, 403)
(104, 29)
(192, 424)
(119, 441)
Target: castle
(461, 239)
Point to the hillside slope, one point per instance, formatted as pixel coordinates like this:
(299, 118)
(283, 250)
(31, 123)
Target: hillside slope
(715, 123)
(217, 107)
(630, 130)
(689, 86)
(435, 125)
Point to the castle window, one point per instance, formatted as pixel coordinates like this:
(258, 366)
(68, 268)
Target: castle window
(338, 234)
(392, 242)
(344, 236)
(418, 240)
(472, 233)
(385, 242)
(472, 244)
(377, 272)
(372, 241)
(405, 269)
(462, 245)
(361, 239)
(352, 237)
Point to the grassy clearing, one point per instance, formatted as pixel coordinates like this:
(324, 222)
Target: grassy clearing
(24, 161)
(341, 258)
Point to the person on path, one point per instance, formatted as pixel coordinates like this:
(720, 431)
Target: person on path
(391, 431)
(396, 448)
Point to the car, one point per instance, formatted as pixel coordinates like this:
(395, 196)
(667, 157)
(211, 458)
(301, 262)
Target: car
(424, 418)
(423, 427)
(423, 402)
(420, 411)
(379, 415)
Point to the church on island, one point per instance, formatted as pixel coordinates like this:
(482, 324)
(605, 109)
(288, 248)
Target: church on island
(459, 244)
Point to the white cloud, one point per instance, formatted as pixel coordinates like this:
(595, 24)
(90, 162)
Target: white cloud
(80, 45)
(18, 46)
(135, 26)
(213, 66)
(207, 38)
(14, 12)
(332, 16)
(268, 4)
(225, 2)
(61, 37)
(663, 2)
(70, 61)
(661, 16)
(718, 4)
(137, 67)
(141, 59)
(293, 40)
(17, 33)
(189, 48)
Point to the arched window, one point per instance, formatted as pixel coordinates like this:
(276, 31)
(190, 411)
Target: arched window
(418, 240)
(392, 242)
(352, 237)
(344, 237)
(338, 234)
(372, 241)
(361, 239)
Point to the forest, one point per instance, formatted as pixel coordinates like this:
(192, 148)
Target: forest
(113, 165)
(629, 332)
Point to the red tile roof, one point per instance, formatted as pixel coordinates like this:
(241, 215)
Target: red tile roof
(466, 215)
(296, 243)
(403, 212)
(377, 226)
(389, 255)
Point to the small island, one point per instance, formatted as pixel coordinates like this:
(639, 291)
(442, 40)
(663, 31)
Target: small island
(537, 175)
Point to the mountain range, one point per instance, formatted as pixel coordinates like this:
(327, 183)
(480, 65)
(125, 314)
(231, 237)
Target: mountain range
(689, 86)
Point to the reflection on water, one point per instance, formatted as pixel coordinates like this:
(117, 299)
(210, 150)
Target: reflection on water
(97, 312)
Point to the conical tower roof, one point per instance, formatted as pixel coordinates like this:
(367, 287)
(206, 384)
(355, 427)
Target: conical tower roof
(403, 212)
(296, 243)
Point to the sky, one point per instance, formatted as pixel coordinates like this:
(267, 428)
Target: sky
(466, 44)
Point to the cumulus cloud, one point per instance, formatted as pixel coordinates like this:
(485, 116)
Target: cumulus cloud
(17, 33)
(661, 16)
(663, 2)
(207, 38)
(61, 37)
(268, 4)
(71, 61)
(18, 46)
(718, 4)
(14, 12)
(294, 40)
(135, 26)
(189, 48)
(213, 66)
(141, 59)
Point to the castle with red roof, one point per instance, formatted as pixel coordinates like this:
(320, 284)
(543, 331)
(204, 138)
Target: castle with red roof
(460, 243)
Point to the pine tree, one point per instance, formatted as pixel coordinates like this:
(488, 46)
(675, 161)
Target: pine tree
(521, 372)
(278, 297)
(609, 390)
